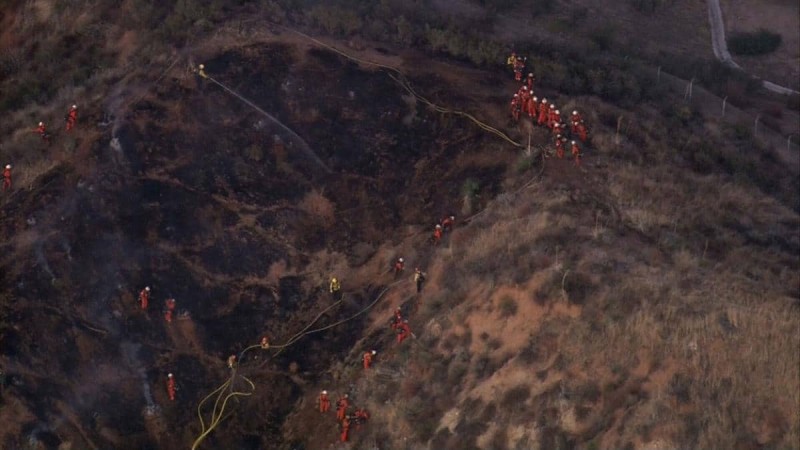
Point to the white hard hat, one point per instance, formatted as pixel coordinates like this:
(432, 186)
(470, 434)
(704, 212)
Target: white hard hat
(438, 226)
(202, 66)
(516, 95)
(573, 142)
(544, 100)
(452, 217)
(530, 74)
(535, 98)
(558, 112)
(41, 123)
(147, 288)
(169, 375)
(558, 136)
(74, 106)
(574, 113)
(524, 88)
(374, 352)
(325, 392)
(400, 259)
(552, 106)
(8, 166)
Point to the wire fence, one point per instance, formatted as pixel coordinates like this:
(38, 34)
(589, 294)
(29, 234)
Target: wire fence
(786, 145)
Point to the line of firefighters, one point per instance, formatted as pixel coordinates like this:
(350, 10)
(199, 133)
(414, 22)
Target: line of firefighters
(397, 323)
(360, 415)
(544, 113)
(169, 304)
(71, 118)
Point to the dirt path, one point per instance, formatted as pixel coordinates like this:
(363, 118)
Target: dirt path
(720, 46)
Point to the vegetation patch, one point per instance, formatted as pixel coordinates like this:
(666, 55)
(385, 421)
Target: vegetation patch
(754, 43)
(508, 307)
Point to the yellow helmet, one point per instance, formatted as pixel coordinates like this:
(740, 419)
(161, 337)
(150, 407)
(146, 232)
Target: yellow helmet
(334, 280)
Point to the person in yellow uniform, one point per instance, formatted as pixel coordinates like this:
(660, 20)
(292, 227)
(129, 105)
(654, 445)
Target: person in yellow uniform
(335, 289)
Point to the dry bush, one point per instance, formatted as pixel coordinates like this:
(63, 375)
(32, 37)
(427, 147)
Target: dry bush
(443, 300)
(494, 343)
(735, 362)
(441, 438)
(550, 288)
(26, 175)
(456, 372)
(530, 352)
(508, 239)
(315, 204)
(514, 399)
(508, 307)
(578, 287)
(277, 270)
(680, 387)
(484, 367)
(499, 439)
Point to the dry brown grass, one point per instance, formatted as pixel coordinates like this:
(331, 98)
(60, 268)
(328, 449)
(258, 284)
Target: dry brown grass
(316, 204)
(26, 174)
(687, 334)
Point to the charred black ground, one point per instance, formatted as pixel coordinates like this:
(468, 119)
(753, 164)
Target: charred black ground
(199, 199)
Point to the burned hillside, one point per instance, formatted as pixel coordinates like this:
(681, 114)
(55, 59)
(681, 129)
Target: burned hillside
(208, 201)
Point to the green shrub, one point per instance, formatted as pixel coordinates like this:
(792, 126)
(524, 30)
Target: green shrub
(456, 372)
(758, 42)
(603, 37)
(524, 163)
(464, 44)
(335, 20)
(404, 31)
(741, 132)
(470, 188)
